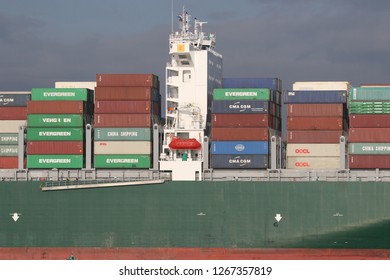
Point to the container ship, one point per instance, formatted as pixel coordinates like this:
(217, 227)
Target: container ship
(92, 171)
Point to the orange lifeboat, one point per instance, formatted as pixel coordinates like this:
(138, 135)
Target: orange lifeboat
(184, 144)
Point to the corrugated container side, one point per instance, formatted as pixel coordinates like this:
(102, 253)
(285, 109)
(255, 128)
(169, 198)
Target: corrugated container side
(55, 134)
(314, 123)
(241, 107)
(369, 135)
(321, 97)
(123, 120)
(55, 147)
(71, 94)
(315, 110)
(55, 161)
(57, 120)
(313, 162)
(11, 126)
(271, 83)
(243, 94)
(240, 134)
(8, 162)
(314, 136)
(239, 161)
(369, 121)
(122, 147)
(126, 80)
(9, 138)
(8, 150)
(14, 100)
(241, 120)
(123, 134)
(370, 94)
(239, 147)
(13, 113)
(369, 148)
(369, 161)
(322, 85)
(123, 93)
(123, 107)
(313, 150)
(122, 161)
(56, 107)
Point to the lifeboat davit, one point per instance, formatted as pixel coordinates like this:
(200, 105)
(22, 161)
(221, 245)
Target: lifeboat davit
(184, 144)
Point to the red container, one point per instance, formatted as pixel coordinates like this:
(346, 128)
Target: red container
(369, 135)
(123, 107)
(369, 121)
(55, 148)
(13, 113)
(314, 123)
(123, 120)
(244, 134)
(369, 161)
(314, 110)
(123, 93)
(55, 107)
(126, 80)
(241, 120)
(314, 136)
(8, 162)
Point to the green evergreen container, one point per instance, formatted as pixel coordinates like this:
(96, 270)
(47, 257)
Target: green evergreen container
(242, 94)
(55, 134)
(8, 150)
(122, 134)
(57, 120)
(369, 93)
(122, 161)
(80, 94)
(9, 138)
(55, 161)
(369, 111)
(369, 148)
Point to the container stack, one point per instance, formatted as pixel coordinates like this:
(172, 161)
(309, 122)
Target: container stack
(369, 134)
(316, 119)
(55, 127)
(245, 114)
(126, 107)
(13, 113)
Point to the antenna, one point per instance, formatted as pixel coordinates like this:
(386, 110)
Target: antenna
(172, 15)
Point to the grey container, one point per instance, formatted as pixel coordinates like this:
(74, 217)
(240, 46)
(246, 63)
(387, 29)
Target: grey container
(14, 100)
(239, 161)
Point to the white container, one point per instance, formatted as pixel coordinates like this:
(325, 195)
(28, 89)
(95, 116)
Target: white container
(313, 150)
(11, 126)
(313, 162)
(89, 85)
(123, 148)
(322, 86)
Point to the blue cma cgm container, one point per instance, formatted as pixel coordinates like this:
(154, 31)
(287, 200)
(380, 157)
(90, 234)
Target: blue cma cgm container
(271, 83)
(319, 97)
(239, 148)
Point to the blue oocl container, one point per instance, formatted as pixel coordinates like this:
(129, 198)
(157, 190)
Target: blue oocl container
(319, 97)
(239, 148)
(271, 83)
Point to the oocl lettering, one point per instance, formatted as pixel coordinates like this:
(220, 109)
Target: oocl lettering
(302, 151)
(302, 164)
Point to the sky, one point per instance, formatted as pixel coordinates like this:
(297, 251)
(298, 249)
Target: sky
(44, 41)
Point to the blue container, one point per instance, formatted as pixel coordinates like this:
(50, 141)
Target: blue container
(271, 83)
(241, 107)
(14, 100)
(239, 161)
(319, 97)
(239, 148)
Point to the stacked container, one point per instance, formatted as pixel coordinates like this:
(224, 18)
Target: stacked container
(316, 119)
(55, 127)
(244, 117)
(369, 134)
(126, 107)
(13, 114)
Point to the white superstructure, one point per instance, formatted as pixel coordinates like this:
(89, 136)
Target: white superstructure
(194, 71)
